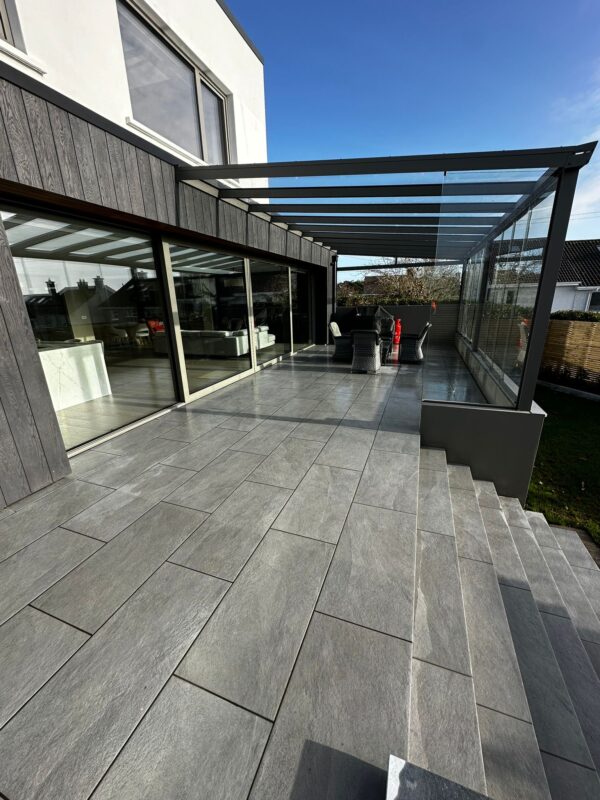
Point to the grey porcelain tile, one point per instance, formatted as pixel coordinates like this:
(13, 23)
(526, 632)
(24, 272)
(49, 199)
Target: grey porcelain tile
(63, 741)
(296, 409)
(390, 480)
(203, 450)
(245, 420)
(288, 463)
(513, 511)
(440, 635)
(223, 544)
(319, 506)
(192, 423)
(511, 757)
(123, 469)
(433, 458)
(161, 759)
(20, 529)
(589, 580)
(344, 712)
(215, 482)
(541, 581)
(265, 437)
(32, 570)
(245, 655)
(434, 512)
(89, 461)
(486, 494)
(471, 538)
(348, 448)
(33, 646)
(577, 604)
(406, 780)
(570, 781)
(541, 529)
(444, 737)
(496, 675)
(363, 415)
(397, 442)
(505, 557)
(316, 431)
(593, 651)
(576, 552)
(371, 579)
(90, 594)
(137, 437)
(459, 477)
(111, 515)
(556, 725)
(580, 676)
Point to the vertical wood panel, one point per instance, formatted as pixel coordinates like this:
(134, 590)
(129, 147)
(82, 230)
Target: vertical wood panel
(146, 179)
(205, 212)
(12, 108)
(85, 159)
(28, 361)
(43, 142)
(133, 179)
(231, 223)
(103, 167)
(305, 249)
(316, 254)
(18, 412)
(277, 239)
(13, 481)
(258, 232)
(117, 162)
(293, 245)
(65, 149)
(159, 189)
(182, 207)
(7, 164)
(170, 189)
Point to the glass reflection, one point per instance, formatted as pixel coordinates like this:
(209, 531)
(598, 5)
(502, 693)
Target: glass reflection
(271, 304)
(94, 321)
(213, 315)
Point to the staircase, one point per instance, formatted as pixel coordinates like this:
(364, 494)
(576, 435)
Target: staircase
(506, 644)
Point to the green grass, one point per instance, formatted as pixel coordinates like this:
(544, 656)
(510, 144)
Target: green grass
(565, 484)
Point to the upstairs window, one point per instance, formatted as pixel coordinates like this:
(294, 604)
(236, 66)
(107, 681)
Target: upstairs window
(5, 32)
(168, 95)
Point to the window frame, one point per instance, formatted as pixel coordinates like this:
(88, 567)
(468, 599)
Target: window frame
(199, 78)
(6, 27)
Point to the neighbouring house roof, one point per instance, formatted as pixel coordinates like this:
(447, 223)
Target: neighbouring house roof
(581, 262)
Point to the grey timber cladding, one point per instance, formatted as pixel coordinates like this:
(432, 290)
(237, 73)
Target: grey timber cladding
(258, 232)
(33, 454)
(305, 250)
(293, 245)
(231, 223)
(316, 254)
(45, 147)
(197, 210)
(277, 240)
(325, 257)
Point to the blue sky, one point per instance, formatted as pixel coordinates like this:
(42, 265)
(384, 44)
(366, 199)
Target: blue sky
(392, 77)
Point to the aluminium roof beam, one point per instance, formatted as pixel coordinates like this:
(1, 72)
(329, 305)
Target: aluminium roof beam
(573, 156)
(383, 208)
(404, 190)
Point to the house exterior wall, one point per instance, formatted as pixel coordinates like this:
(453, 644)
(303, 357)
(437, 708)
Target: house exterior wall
(82, 58)
(570, 298)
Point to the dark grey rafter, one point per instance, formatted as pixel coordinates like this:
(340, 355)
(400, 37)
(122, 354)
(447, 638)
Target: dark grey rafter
(314, 230)
(484, 222)
(573, 156)
(412, 263)
(403, 190)
(383, 208)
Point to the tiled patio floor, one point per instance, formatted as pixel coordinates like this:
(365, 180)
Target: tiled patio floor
(233, 601)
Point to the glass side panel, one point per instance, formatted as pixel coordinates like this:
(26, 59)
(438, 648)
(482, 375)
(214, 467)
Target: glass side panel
(271, 303)
(214, 126)
(161, 85)
(301, 308)
(213, 314)
(96, 324)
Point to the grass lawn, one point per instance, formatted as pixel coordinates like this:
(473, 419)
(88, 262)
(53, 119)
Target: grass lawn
(565, 484)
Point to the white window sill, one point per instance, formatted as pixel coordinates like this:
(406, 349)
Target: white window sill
(171, 147)
(22, 58)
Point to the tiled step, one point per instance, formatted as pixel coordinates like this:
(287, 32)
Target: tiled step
(561, 683)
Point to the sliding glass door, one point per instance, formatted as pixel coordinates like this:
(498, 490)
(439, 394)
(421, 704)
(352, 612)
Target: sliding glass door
(301, 288)
(213, 314)
(271, 306)
(96, 309)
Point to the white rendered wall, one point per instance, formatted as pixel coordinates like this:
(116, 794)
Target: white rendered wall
(567, 298)
(77, 43)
